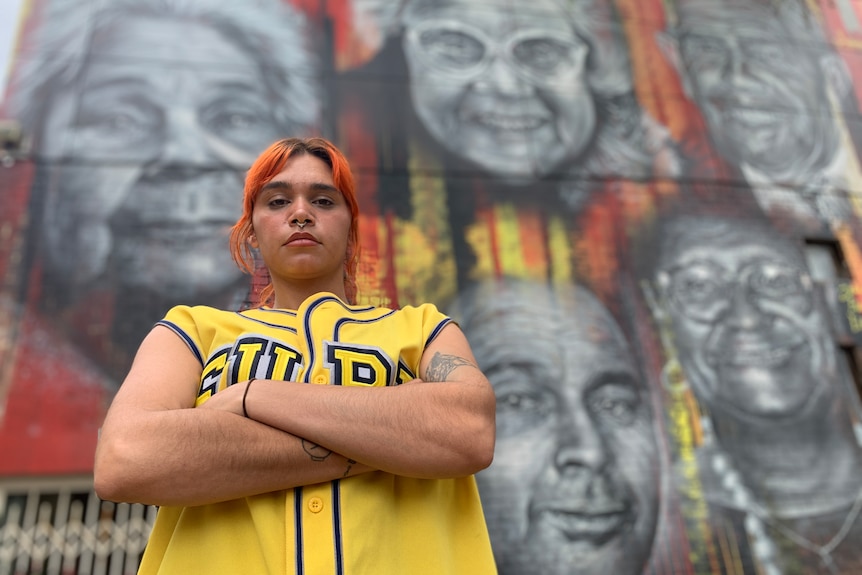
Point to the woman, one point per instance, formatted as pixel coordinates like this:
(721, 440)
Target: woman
(270, 475)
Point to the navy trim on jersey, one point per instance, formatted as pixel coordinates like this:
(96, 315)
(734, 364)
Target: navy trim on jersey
(289, 312)
(443, 323)
(185, 337)
(356, 320)
(266, 323)
(336, 527)
(307, 327)
(297, 527)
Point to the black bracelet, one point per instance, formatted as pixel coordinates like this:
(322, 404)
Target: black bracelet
(244, 395)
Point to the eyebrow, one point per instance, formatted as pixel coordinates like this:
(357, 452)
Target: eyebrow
(316, 186)
(616, 378)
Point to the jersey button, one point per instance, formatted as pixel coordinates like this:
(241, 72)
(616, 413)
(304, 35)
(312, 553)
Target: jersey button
(315, 504)
(320, 379)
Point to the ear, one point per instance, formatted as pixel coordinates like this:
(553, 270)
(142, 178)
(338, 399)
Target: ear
(252, 240)
(669, 46)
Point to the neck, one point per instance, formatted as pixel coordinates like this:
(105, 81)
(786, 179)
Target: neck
(786, 462)
(290, 295)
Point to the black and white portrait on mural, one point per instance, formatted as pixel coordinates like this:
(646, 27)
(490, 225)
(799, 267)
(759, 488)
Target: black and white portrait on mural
(145, 115)
(770, 89)
(536, 96)
(574, 487)
(781, 458)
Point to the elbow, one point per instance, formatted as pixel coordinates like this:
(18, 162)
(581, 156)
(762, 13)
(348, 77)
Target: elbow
(116, 476)
(480, 443)
(487, 434)
(108, 479)
(483, 448)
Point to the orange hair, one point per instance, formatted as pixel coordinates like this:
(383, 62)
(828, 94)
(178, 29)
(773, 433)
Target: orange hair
(269, 164)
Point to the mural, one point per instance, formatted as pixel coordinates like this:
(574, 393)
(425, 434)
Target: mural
(771, 91)
(751, 338)
(642, 212)
(142, 151)
(574, 487)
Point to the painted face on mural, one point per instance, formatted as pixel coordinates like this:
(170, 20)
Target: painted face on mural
(747, 323)
(762, 94)
(574, 483)
(501, 84)
(166, 115)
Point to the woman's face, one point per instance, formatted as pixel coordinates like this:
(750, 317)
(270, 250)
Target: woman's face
(157, 155)
(301, 224)
(503, 86)
(747, 327)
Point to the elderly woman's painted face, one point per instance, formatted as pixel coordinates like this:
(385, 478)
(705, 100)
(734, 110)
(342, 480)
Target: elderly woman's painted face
(761, 92)
(574, 483)
(501, 84)
(747, 324)
(165, 117)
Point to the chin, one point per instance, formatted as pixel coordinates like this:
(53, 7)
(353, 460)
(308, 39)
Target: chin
(572, 559)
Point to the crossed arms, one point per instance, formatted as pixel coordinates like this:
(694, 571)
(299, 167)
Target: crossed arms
(156, 448)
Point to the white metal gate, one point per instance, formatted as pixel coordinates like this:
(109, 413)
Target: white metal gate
(60, 526)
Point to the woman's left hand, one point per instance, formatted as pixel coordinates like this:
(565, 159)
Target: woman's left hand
(229, 399)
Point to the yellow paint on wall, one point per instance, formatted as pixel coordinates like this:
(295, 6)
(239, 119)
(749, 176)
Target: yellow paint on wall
(424, 256)
(510, 254)
(479, 239)
(560, 251)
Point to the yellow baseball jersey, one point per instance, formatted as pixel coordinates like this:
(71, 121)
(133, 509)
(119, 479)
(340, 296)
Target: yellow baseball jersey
(374, 523)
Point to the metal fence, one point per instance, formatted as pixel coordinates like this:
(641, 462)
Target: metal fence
(61, 527)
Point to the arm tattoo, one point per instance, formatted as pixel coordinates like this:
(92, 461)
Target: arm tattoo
(441, 365)
(316, 452)
(350, 463)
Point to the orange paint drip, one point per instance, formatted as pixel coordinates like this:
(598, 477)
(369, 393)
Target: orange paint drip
(853, 257)
(533, 247)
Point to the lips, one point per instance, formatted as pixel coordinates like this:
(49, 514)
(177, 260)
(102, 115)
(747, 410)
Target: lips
(751, 112)
(596, 526)
(508, 122)
(301, 239)
(762, 354)
(597, 520)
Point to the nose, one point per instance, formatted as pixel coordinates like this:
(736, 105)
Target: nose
(743, 311)
(580, 444)
(737, 66)
(301, 213)
(185, 144)
(502, 78)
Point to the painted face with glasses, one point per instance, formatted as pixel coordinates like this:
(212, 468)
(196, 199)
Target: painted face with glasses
(502, 86)
(762, 94)
(748, 327)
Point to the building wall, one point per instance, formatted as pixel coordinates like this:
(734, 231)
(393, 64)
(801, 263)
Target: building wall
(643, 213)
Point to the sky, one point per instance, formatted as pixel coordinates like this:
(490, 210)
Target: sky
(10, 11)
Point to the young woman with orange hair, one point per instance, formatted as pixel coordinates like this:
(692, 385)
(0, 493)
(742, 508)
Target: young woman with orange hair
(308, 435)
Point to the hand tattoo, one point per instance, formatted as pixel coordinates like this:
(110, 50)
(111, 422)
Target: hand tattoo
(316, 452)
(441, 365)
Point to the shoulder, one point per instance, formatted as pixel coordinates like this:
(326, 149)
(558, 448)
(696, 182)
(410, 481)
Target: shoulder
(426, 317)
(196, 323)
(196, 315)
(421, 310)
(424, 312)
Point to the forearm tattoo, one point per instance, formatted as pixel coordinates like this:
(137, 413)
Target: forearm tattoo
(316, 452)
(350, 463)
(441, 365)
